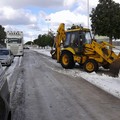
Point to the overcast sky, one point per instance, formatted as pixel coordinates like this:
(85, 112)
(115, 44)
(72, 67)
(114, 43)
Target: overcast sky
(35, 17)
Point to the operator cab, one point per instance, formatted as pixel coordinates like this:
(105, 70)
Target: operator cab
(77, 39)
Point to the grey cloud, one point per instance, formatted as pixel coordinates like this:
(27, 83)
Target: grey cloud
(29, 3)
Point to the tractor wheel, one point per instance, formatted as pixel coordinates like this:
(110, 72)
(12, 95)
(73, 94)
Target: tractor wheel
(67, 60)
(90, 66)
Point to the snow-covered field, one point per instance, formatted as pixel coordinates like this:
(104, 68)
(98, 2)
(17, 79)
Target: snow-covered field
(105, 82)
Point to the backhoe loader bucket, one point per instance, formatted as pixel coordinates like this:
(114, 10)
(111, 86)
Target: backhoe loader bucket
(115, 68)
(53, 54)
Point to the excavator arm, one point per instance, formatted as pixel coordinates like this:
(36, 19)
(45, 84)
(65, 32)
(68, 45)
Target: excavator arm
(60, 37)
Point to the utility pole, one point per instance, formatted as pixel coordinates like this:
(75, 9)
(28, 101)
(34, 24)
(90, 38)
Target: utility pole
(88, 11)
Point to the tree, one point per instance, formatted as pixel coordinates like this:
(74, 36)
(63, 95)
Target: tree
(51, 38)
(105, 19)
(44, 40)
(38, 40)
(29, 43)
(2, 34)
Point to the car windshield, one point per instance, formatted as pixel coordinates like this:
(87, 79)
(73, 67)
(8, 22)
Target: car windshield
(4, 52)
(14, 40)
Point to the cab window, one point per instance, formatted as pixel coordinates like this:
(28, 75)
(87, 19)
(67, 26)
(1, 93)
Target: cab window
(67, 42)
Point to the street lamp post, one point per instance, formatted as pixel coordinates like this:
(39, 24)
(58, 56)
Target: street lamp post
(48, 20)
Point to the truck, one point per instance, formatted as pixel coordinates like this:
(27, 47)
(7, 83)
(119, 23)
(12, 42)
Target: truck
(14, 42)
(76, 45)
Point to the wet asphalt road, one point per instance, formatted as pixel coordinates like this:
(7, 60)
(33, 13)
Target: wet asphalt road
(40, 93)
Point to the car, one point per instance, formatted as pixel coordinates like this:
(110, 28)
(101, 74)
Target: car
(6, 57)
(5, 110)
(25, 47)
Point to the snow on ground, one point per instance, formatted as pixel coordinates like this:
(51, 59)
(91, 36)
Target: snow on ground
(105, 82)
(10, 70)
(117, 49)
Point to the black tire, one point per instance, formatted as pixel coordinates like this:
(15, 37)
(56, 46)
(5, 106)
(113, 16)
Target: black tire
(66, 60)
(90, 66)
(9, 116)
(9, 65)
(2, 109)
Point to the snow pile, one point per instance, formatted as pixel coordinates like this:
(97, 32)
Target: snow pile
(117, 49)
(105, 82)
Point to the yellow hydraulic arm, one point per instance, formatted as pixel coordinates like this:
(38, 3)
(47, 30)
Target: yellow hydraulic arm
(60, 37)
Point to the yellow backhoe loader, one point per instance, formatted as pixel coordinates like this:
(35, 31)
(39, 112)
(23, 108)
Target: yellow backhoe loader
(75, 45)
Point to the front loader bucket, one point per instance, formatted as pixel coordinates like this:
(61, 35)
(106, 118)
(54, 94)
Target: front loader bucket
(115, 68)
(53, 54)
